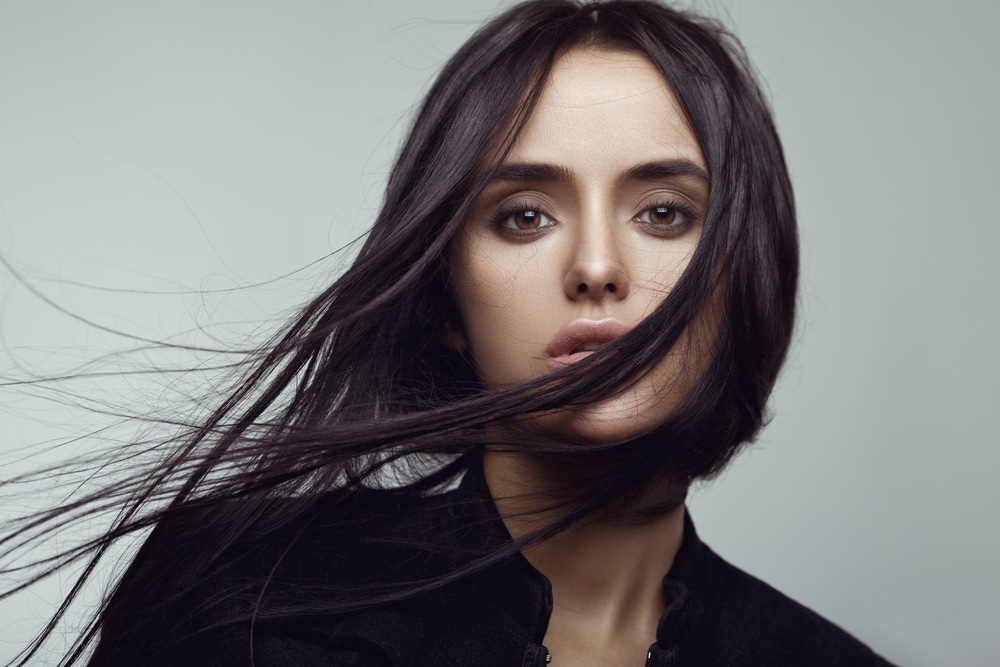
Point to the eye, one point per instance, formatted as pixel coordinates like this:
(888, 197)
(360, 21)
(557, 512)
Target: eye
(666, 219)
(662, 215)
(521, 220)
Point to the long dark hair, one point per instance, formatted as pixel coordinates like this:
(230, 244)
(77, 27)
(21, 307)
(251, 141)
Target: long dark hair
(360, 392)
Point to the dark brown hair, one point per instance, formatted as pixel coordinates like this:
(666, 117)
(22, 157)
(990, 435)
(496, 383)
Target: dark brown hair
(359, 387)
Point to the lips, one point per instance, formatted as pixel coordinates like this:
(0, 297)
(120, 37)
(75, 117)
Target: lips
(578, 340)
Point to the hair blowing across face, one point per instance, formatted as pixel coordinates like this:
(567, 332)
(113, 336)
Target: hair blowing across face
(361, 378)
(742, 278)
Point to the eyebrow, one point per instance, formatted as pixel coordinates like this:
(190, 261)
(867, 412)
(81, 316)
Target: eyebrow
(530, 172)
(653, 170)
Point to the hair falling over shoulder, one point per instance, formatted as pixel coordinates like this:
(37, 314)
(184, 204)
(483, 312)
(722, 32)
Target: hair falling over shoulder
(360, 390)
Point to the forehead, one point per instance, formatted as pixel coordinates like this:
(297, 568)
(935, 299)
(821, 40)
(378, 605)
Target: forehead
(605, 106)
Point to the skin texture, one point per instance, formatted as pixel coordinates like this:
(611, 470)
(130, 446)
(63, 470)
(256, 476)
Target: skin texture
(580, 229)
(596, 247)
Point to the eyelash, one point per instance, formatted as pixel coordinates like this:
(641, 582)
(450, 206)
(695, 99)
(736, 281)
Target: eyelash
(512, 209)
(688, 217)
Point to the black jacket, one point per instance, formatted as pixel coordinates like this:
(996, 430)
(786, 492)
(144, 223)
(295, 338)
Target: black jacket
(717, 615)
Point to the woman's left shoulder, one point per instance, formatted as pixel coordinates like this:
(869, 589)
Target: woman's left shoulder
(764, 627)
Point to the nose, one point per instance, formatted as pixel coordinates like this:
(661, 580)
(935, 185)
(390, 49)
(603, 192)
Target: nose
(596, 270)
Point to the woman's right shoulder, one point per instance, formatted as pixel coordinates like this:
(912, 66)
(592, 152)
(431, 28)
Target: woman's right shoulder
(375, 637)
(215, 585)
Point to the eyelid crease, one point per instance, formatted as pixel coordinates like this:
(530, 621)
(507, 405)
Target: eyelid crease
(521, 195)
(665, 200)
(674, 200)
(686, 213)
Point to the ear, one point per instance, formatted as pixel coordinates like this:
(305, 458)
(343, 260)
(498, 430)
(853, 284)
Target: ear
(453, 336)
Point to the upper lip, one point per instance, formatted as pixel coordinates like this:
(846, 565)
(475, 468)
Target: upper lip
(582, 331)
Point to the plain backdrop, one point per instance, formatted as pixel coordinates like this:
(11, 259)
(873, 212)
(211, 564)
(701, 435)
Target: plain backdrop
(155, 154)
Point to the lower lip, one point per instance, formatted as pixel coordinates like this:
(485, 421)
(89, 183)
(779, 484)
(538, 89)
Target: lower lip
(555, 363)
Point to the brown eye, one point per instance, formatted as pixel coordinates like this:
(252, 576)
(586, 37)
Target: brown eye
(665, 220)
(523, 220)
(662, 215)
(527, 219)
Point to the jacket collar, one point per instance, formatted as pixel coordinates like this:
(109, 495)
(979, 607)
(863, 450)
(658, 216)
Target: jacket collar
(525, 594)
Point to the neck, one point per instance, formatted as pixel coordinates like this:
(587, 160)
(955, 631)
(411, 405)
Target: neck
(606, 573)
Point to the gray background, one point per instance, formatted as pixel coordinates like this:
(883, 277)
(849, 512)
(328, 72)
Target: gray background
(190, 146)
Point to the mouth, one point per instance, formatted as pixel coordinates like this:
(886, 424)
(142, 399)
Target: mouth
(580, 338)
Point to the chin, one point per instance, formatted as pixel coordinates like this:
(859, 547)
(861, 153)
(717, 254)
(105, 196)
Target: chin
(618, 418)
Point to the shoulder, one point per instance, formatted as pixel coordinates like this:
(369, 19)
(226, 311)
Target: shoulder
(752, 623)
(276, 595)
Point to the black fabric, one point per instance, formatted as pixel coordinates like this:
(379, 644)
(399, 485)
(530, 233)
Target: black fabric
(717, 615)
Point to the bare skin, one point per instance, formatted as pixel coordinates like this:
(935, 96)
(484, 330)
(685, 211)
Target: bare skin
(594, 219)
(606, 576)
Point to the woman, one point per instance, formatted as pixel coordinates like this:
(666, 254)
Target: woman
(576, 300)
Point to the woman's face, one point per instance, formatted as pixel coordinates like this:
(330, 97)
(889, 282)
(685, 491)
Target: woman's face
(588, 225)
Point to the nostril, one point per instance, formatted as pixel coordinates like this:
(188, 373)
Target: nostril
(611, 287)
(581, 288)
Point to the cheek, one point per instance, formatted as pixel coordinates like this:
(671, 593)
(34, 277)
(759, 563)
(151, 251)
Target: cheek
(658, 269)
(642, 406)
(512, 301)
(502, 301)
